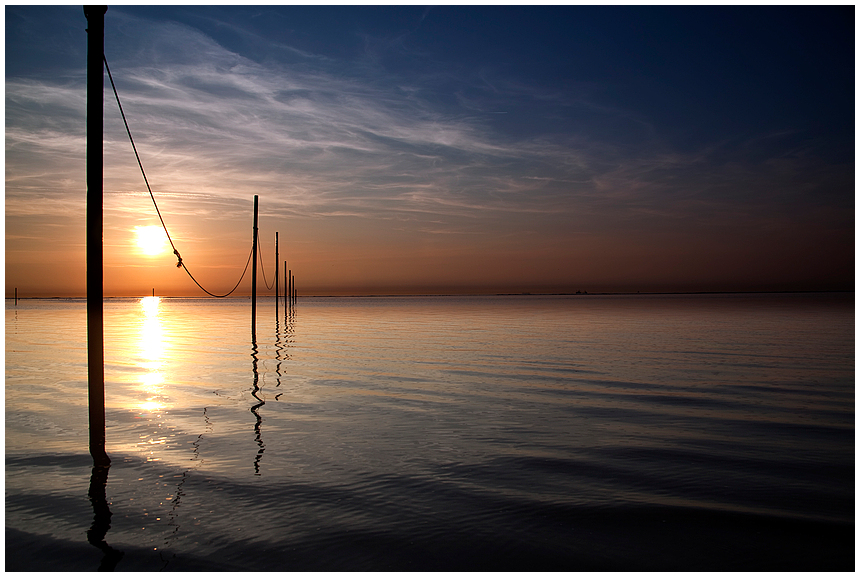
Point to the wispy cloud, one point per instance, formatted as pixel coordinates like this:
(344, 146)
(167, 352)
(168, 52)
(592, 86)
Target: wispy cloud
(319, 142)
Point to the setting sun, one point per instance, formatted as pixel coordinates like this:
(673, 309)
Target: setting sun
(151, 240)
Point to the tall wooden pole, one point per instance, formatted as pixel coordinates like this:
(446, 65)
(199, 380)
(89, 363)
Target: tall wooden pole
(277, 290)
(254, 275)
(95, 252)
(285, 287)
(291, 288)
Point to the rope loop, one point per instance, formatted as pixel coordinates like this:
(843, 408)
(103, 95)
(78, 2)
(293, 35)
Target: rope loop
(263, 266)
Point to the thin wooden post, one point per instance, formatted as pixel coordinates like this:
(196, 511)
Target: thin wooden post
(153, 292)
(291, 289)
(16, 296)
(277, 290)
(95, 211)
(285, 286)
(254, 275)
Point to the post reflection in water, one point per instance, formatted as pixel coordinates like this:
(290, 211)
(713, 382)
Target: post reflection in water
(289, 330)
(255, 408)
(101, 518)
(282, 345)
(278, 349)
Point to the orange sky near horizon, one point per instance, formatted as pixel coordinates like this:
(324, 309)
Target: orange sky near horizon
(360, 256)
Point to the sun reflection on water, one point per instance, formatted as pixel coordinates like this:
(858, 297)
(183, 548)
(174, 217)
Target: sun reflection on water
(150, 305)
(153, 354)
(151, 406)
(152, 342)
(152, 382)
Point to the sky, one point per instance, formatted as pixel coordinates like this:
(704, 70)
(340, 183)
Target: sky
(427, 150)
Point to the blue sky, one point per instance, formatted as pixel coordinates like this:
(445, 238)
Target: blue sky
(409, 148)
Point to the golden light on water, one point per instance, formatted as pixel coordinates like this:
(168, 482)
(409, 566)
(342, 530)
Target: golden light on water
(151, 406)
(152, 345)
(153, 349)
(150, 306)
(152, 382)
(152, 403)
(151, 240)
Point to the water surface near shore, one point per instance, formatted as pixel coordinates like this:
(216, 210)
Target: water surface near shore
(658, 432)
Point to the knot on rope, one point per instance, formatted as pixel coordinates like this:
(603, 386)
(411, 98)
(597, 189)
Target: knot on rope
(179, 258)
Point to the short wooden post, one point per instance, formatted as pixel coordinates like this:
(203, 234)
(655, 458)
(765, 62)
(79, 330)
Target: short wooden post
(16, 296)
(254, 275)
(277, 290)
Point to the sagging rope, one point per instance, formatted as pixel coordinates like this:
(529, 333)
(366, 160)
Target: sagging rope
(262, 266)
(231, 290)
(179, 263)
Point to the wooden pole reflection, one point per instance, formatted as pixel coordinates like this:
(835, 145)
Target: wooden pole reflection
(101, 518)
(255, 410)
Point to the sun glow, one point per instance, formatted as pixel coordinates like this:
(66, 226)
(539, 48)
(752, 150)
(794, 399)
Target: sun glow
(151, 240)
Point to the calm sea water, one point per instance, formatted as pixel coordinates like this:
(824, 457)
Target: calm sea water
(708, 432)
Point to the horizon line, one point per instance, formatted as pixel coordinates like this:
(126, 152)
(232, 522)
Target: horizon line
(455, 294)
